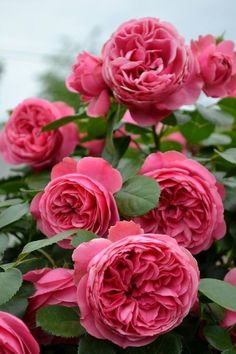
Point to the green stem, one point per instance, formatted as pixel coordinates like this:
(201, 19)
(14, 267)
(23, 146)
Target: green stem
(49, 258)
(155, 138)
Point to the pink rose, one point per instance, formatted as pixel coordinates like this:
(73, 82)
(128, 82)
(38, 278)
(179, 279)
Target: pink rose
(15, 338)
(133, 287)
(217, 64)
(86, 79)
(22, 140)
(79, 196)
(230, 316)
(150, 69)
(53, 287)
(190, 208)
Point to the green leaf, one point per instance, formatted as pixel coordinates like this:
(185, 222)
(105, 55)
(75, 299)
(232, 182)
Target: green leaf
(218, 337)
(177, 118)
(228, 155)
(37, 181)
(169, 343)
(62, 121)
(4, 240)
(13, 213)
(82, 236)
(135, 129)
(10, 202)
(220, 292)
(130, 167)
(229, 351)
(96, 128)
(216, 116)
(230, 199)
(60, 321)
(196, 129)
(90, 345)
(167, 145)
(18, 303)
(217, 139)
(36, 245)
(114, 147)
(10, 282)
(228, 104)
(138, 195)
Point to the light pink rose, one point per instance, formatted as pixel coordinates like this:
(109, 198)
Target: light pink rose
(150, 69)
(230, 316)
(87, 80)
(15, 337)
(190, 208)
(133, 287)
(52, 287)
(23, 142)
(217, 64)
(79, 196)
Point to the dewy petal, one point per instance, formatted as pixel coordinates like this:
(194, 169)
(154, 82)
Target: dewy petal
(99, 106)
(123, 229)
(101, 171)
(68, 165)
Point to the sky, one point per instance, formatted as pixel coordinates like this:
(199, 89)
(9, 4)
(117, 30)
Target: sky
(31, 30)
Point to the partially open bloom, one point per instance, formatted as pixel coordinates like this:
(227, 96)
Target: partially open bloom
(87, 80)
(150, 69)
(15, 337)
(217, 64)
(133, 287)
(23, 142)
(52, 287)
(79, 196)
(190, 208)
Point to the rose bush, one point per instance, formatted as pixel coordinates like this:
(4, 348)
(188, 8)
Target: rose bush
(109, 224)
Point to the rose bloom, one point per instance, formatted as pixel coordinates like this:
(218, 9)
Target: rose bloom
(230, 316)
(15, 337)
(217, 64)
(79, 196)
(23, 142)
(133, 286)
(190, 208)
(87, 80)
(52, 287)
(150, 69)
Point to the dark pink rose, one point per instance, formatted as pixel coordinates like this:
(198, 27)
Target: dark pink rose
(217, 64)
(87, 80)
(230, 316)
(150, 69)
(79, 196)
(15, 337)
(133, 287)
(52, 287)
(23, 142)
(190, 208)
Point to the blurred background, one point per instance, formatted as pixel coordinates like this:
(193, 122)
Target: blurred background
(39, 39)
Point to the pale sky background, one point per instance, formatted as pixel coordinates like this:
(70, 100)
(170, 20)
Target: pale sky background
(30, 30)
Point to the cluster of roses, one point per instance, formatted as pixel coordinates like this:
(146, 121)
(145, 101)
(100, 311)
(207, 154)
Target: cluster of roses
(139, 279)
